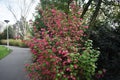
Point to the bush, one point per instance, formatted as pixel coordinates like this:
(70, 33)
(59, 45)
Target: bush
(108, 40)
(62, 51)
(13, 42)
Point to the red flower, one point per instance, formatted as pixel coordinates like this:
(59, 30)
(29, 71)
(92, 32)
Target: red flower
(75, 66)
(53, 49)
(68, 60)
(68, 69)
(53, 11)
(86, 27)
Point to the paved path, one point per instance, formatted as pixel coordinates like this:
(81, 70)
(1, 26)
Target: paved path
(12, 67)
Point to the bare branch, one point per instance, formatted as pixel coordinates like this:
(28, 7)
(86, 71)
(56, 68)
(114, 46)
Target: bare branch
(12, 11)
(28, 8)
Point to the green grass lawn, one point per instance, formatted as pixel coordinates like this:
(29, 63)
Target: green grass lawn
(4, 52)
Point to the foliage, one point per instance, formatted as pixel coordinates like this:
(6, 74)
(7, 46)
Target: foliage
(62, 51)
(38, 23)
(105, 35)
(4, 52)
(59, 4)
(86, 61)
(62, 5)
(3, 35)
(109, 47)
(13, 42)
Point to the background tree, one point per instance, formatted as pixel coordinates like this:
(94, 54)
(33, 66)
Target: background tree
(105, 35)
(3, 35)
(1, 26)
(24, 7)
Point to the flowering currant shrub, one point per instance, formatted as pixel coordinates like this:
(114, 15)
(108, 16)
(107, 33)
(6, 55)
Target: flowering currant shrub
(62, 51)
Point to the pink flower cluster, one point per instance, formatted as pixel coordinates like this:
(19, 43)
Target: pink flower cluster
(52, 47)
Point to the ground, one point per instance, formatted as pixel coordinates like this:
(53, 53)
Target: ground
(12, 67)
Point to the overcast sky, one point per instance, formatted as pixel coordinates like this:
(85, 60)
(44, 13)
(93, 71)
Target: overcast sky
(6, 14)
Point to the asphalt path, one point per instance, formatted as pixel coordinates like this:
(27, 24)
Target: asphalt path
(12, 67)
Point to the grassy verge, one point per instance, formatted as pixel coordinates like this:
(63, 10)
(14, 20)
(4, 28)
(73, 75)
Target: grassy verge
(4, 52)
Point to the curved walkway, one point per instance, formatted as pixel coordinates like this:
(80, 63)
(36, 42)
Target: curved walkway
(12, 67)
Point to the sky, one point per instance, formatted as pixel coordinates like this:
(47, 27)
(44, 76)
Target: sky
(5, 14)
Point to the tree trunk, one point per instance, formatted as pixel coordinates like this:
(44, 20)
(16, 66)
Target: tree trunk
(86, 8)
(95, 13)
